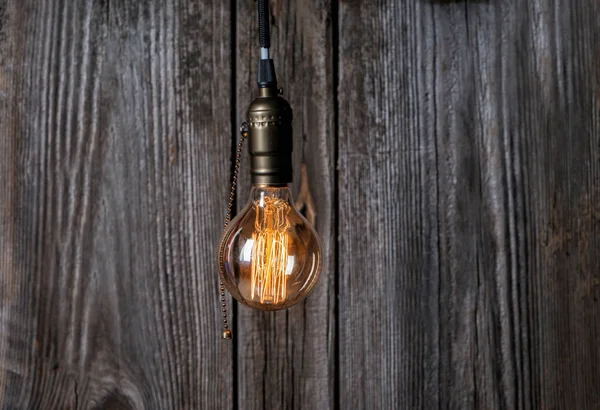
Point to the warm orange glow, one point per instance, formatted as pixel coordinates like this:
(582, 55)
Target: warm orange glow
(270, 251)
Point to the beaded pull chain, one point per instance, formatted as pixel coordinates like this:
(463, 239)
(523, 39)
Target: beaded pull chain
(236, 169)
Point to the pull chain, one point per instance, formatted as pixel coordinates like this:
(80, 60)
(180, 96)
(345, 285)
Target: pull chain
(236, 169)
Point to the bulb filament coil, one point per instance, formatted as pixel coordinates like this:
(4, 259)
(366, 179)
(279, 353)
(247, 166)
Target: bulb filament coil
(270, 251)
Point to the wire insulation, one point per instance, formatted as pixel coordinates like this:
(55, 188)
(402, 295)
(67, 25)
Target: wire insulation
(263, 23)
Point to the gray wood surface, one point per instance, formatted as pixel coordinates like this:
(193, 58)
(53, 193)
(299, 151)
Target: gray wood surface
(116, 154)
(469, 212)
(453, 152)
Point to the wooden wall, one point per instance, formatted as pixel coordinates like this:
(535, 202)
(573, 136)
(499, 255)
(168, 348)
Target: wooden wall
(453, 152)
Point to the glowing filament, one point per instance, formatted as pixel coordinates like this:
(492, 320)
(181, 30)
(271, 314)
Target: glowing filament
(270, 251)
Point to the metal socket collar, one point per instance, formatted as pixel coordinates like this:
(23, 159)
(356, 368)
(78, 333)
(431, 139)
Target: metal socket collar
(270, 138)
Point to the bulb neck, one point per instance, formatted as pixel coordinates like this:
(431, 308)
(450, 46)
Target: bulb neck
(265, 195)
(270, 137)
(274, 191)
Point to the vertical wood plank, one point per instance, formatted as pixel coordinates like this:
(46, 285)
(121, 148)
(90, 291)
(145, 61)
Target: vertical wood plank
(121, 147)
(54, 98)
(388, 207)
(286, 359)
(559, 86)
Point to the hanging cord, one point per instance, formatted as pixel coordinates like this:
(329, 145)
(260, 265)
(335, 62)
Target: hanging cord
(263, 29)
(236, 171)
(266, 68)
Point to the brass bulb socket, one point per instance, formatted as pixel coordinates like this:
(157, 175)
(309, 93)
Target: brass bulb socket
(270, 137)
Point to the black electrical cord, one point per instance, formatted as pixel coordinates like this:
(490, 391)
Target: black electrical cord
(266, 68)
(263, 24)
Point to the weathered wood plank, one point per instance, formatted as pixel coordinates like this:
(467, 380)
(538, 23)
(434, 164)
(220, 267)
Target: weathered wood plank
(474, 166)
(558, 85)
(286, 359)
(50, 183)
(120, 146)
(389, 270)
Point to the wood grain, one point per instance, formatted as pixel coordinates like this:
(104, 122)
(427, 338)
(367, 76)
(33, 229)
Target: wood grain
(285, 360)
(458, 142)
(472, 166)
(388, 212)
(121, 146)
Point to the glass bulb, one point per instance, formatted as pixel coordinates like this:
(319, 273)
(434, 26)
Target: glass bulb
(271, 253)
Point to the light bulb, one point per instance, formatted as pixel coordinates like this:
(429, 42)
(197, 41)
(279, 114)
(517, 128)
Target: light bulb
(271, 253)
